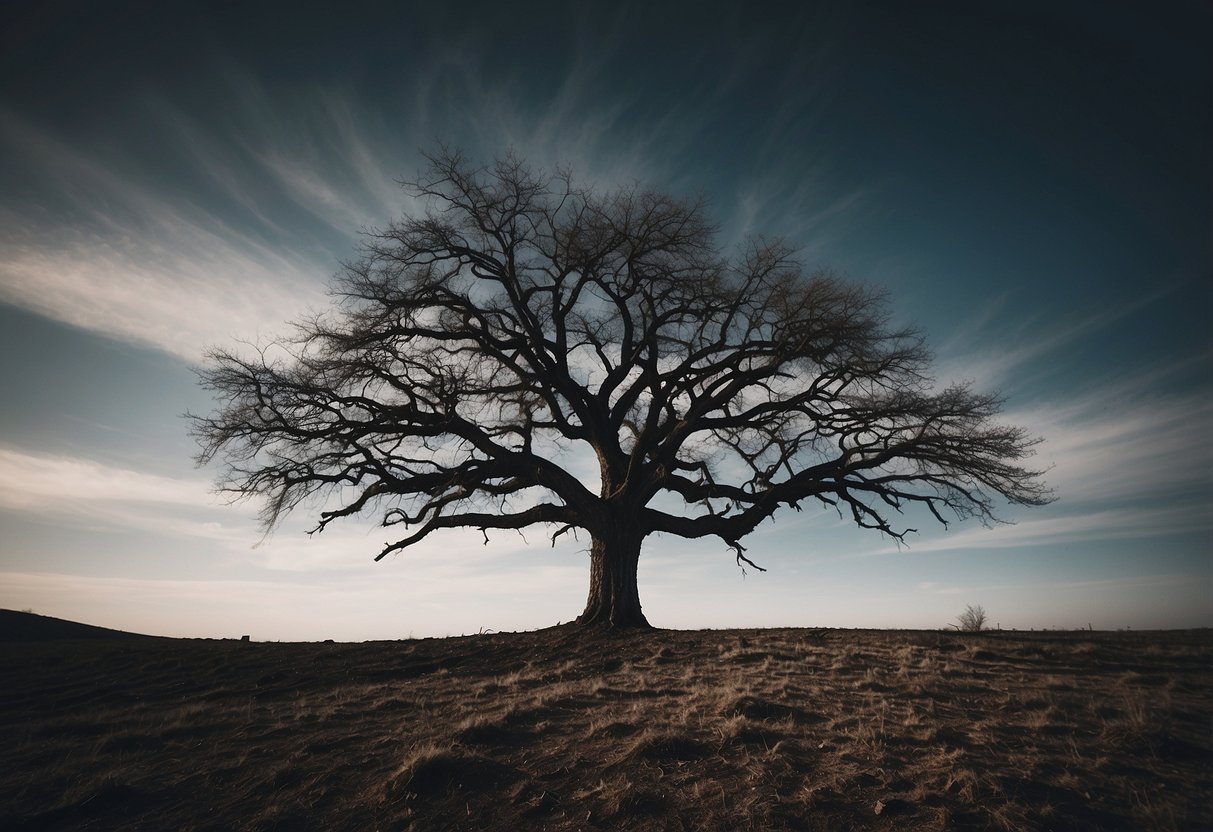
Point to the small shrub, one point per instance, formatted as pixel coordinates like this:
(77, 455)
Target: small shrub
(432, 770)
(667, 747)
(972, 620)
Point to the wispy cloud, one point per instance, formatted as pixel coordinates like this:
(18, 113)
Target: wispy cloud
(1127, 461)
(29, 481)
(235, 224)
(327, 157)
(1111, 445)
(991, 349)
(1080, 526)
(212, 242)
(137, 264)
(90, 494)
(463, 98)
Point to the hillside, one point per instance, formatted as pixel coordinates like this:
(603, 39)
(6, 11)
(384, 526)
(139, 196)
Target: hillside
(28, 626)
(666, 730)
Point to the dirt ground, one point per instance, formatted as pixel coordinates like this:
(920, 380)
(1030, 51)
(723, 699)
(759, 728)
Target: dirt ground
(564, 730)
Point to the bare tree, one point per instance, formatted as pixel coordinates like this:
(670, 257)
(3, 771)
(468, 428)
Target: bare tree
(473, 350)
(972, 620)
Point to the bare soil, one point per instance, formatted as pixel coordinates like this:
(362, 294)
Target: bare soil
(566, 730)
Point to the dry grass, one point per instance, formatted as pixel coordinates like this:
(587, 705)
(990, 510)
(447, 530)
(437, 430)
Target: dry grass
(762, 730)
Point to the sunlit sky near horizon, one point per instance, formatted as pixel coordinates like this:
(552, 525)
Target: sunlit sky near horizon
(1030, 181)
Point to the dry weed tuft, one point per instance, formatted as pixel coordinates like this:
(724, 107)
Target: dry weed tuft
(663, 747)
(765, 710)
(431, 769)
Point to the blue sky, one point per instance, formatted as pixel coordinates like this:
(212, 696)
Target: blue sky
(1031, 182)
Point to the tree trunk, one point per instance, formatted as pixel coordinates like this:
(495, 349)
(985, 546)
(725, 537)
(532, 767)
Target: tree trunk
(614, 599)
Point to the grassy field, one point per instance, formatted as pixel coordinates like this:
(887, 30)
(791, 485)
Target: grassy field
(557, 729)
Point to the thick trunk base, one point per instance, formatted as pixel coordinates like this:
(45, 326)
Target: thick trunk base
(614, 600)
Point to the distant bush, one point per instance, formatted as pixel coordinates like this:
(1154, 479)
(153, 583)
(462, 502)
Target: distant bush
(972, 620)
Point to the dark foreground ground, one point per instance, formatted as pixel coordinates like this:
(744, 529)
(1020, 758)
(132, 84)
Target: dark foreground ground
(727, 730)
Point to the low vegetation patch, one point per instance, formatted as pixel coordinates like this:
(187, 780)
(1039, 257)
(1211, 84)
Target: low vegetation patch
(563, 730)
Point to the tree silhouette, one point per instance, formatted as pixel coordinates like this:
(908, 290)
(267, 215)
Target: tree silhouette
(972, 620)
(474, 349)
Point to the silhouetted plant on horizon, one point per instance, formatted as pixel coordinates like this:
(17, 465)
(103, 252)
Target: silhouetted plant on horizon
(475, 348)
(972, 620)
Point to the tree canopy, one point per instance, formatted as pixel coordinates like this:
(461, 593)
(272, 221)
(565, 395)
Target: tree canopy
(475, 347)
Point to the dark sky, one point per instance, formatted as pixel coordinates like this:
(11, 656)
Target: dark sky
(1031, 181)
